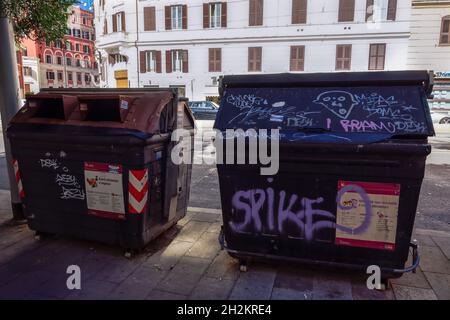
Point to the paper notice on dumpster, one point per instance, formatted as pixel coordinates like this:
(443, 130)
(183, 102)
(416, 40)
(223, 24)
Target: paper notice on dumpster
(367, 214)
(104, 190)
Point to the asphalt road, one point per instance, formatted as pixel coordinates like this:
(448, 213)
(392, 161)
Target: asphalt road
(434, 203)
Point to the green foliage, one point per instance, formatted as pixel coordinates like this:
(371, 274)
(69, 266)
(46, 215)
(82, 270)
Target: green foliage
(44, 20)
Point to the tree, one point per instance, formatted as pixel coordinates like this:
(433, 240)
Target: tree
(44, 20)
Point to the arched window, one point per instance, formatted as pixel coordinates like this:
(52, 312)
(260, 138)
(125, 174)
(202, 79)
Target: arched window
(445, 31)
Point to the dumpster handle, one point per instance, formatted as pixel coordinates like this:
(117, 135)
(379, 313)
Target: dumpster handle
(412, 268)
(415, 262)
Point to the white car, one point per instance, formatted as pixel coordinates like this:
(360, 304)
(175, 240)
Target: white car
(440, 117)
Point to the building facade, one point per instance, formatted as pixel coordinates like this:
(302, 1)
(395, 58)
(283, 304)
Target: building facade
(429, 46)
(191, 43)
(71, 62)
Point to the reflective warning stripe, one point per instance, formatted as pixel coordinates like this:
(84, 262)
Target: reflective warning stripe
(137, 191)
(18, 179)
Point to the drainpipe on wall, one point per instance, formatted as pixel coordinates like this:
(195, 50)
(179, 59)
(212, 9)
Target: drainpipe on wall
(136, 45)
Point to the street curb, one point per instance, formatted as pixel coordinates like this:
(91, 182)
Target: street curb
(204, 210)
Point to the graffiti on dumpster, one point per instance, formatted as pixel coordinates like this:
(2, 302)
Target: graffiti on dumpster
(387, 110)
(70, 188)
(270, 212)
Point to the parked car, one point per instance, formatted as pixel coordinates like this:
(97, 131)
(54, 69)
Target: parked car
(440, 117)
(204, 110)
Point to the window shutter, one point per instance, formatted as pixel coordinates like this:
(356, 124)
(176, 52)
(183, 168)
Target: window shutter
(258, 58)
(259, 12)
(218, 60)
(292, 62)
(149, 19)
(158, 61)
(206, 15)
(299, 11)
(168, 18)
(184, 21)
(369, 10)
(142, 62)
(224, 15)
(392, 10)
(346, 10)
(114, 17)
(168, 61)
(185, 61)
(211, 60)
(111, 59)
(105, 27)
(123, 21)
(251, 13)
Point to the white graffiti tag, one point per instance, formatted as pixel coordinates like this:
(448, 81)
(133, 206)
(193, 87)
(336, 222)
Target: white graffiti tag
(68, 193)
(49, 163)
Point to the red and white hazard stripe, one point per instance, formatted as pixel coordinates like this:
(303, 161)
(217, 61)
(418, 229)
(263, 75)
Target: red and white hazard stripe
(137, 191)
(18, 179)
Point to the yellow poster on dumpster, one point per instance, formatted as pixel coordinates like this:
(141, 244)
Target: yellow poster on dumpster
(367, 214)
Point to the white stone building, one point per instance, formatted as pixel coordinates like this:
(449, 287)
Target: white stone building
(31, 74)
(191, 43)
(429, 46)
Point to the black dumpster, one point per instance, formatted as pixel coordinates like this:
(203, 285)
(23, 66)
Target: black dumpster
(352, 157)
(95, 164)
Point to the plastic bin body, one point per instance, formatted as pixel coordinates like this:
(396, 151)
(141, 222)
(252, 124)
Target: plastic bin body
(305, 211)
(65, 165)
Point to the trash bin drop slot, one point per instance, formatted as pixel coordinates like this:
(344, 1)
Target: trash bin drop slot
(105, 108)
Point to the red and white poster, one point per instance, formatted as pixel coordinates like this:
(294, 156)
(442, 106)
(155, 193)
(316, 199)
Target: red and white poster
(376, 201)
(104, 190)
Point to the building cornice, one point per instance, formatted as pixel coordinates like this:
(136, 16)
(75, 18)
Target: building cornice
(431, 4)
(324, 37)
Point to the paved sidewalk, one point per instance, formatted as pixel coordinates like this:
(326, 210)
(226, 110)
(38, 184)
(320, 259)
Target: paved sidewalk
(187, 263)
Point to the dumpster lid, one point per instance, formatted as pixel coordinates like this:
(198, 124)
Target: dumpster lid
(139, 111)
(351, 107)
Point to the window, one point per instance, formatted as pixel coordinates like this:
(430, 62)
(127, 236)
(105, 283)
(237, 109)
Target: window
(119, 22)
(177, 17)
(50, 75)
(369, 10)
(60, 76)
(48, 58)
(215, 60)
(77, 33)
(77, 47)
(254, 59)
(68, 45)
(215, 15)
(445, 31)
(299, 11)
(177, 60)
(150, 61)
(343, 57)
(27, 71)
(256, 12)
(78, 63)
(59, 60)
(346, 10)
(391, 10)
(70, 76)
(149, 19)
(68, 61)
(87, 78)
(86, 48)
(79, 77)
(68, 31)
(297, 58)
(58, 44)
(377, 55)
(105, 26)
(86, 35)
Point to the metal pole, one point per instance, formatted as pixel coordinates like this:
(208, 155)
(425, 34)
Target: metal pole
(9, 104)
